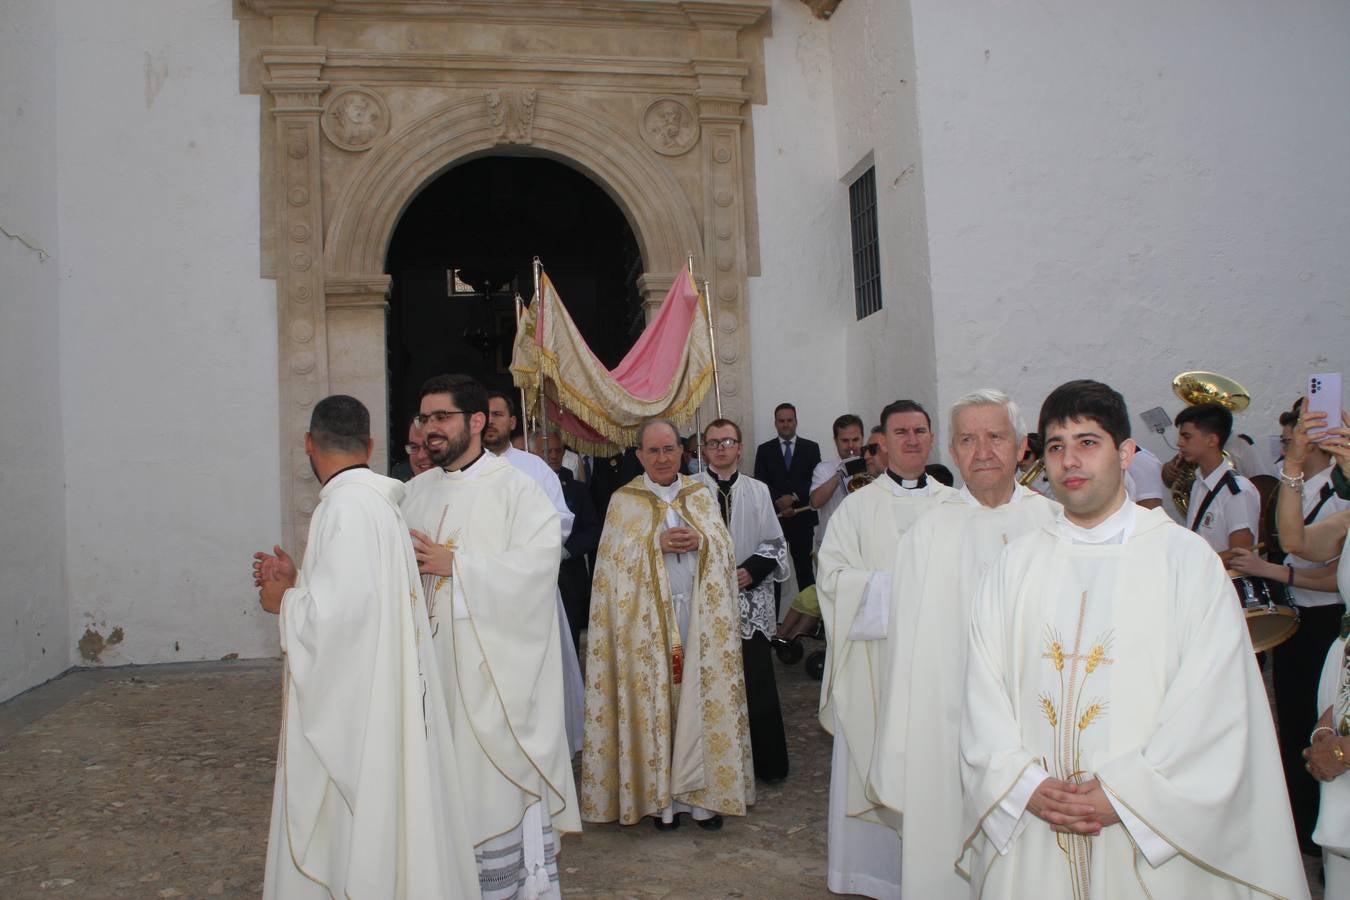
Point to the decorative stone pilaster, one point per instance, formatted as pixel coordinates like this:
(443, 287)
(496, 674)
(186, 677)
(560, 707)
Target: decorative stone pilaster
(357, 309)
(721, 99)
(654, 286)
(294, 85)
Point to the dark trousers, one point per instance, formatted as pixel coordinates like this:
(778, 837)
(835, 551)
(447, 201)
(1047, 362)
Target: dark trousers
(801, 536)
(768, 742)
(1297, 668)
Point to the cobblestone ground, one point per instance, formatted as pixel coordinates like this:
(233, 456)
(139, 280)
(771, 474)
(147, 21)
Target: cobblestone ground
(157, 782)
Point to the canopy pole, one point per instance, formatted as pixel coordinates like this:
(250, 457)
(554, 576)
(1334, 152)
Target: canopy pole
(712, 343)
(524, 415)
(543, 408)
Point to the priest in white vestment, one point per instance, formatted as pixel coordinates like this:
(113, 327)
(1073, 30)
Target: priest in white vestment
(853, 583)
(762, 554)
(367, 802)
(488, 543)
(497, 440)
(666, 722)
(1117, 740)
(938, 568)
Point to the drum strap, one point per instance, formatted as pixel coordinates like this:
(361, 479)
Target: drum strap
(1274, 552)
(1227, 481)
(1326, 494)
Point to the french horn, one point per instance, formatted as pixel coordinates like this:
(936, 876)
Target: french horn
(1195, 388)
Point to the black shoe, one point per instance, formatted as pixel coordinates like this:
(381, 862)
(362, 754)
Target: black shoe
(664, 826)
(713, 824)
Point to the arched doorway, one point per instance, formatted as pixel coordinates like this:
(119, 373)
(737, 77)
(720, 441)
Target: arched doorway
(464, 247)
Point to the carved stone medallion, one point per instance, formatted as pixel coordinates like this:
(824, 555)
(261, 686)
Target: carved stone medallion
(669, 127)
(355, 118)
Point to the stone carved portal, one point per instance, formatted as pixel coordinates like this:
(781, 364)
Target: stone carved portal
(366, 101)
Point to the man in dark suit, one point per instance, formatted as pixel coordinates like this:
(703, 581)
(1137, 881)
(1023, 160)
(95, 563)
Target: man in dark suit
(574, 574)
(785, 464)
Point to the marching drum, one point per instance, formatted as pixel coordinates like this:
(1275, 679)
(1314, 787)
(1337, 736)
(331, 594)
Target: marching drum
(1271, 615)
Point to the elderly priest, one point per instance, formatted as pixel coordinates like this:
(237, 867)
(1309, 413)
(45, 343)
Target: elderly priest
(938, 568)
(1117, 739)
(666, 726)
(367, 801)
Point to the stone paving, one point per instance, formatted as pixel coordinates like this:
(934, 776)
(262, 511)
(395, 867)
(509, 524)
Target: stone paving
(156, 782)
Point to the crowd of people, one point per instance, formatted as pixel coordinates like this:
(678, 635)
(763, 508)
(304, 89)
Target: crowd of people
(1040, 683)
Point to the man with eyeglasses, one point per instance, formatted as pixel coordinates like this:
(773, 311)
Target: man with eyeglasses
(758, 542)
(418, 461)
(487, 543)
(874, 451)
(854, 589)
(666, 729)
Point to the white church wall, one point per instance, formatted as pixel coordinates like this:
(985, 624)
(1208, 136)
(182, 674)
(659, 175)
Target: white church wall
(168, 335)
(34, 608)
(797, 306)
(888, 354)
(1128, 191)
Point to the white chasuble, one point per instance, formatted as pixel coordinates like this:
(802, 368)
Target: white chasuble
(495, 628)
(915, 773)
(1128, 662)
(860, 543)
(666, 719)
(367, 802)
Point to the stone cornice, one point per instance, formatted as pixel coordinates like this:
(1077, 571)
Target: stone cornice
(605, 13)
(357, 292)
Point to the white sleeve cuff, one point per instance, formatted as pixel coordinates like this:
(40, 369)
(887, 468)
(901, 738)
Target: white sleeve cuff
(459, 607)
(1156, 850)
(874, 611)
(1007, 819)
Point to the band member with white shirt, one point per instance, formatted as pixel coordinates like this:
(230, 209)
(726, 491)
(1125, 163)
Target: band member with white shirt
(1225, 508)
(829, 480)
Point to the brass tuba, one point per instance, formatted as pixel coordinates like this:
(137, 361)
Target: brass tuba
(1196, 388)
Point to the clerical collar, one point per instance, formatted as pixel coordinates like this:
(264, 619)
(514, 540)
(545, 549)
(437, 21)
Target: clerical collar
(469, 465)
(1018, 493)
(348, 469)
(909, 484)
(723, 483)
(666, 492)
(1114, 529)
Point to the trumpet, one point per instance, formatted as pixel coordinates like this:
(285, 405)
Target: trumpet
(1030, 475)
(858, 477)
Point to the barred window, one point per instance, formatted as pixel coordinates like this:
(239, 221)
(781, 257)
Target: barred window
(862, 208)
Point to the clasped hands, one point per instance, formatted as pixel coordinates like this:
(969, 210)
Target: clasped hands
(679, 540)
(1070, 808)
(1322, 762)
(273, 574)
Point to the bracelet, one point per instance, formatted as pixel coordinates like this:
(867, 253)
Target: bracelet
(1318, 730)
(1291, 574)
(1293, 482)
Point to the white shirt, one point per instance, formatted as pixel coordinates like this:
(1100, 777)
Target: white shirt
(547, 479)
(1229, 512)
(823, 472)
(1312, 494)
(1143, 479)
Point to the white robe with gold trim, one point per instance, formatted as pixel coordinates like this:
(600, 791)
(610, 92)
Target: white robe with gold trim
(938, 569)
(495, 629)
(367, 802)
(1131, 663)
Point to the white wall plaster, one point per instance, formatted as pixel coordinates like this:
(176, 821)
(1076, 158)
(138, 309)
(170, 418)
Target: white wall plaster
(34, 609)
(802, 301)
(1128, 191)
(168, 334)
